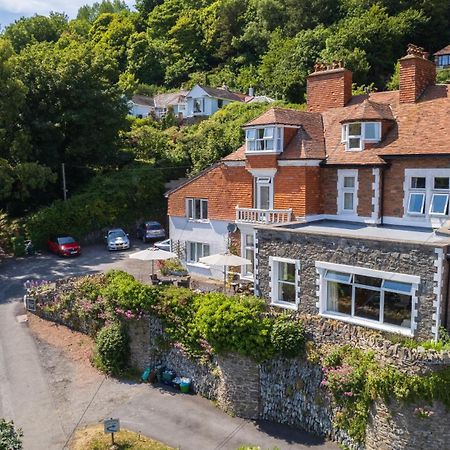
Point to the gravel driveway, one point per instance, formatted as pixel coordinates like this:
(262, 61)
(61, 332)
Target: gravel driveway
(48, 388)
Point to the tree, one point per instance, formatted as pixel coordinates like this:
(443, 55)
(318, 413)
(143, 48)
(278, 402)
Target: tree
(90, 13)
(10, 438)
(73, 110)
(26, 31)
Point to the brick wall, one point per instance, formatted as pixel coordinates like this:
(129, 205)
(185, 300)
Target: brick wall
(223, 186)
(329, 89)
(365, 180)
(329, 179)
(416, 74)
(394, 176)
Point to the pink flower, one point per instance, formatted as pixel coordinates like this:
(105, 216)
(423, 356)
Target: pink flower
(348, 394)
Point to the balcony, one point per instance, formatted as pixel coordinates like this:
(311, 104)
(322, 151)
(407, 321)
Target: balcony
(267, 216)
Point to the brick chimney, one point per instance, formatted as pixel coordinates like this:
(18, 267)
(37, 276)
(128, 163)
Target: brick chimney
(417, 72)
(330, 86)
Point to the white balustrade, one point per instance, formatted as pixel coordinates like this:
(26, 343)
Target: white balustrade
(268, 216)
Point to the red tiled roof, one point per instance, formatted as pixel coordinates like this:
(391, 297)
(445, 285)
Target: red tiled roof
(443, 51)
(279, 116)
(369, 110)
(420, 128)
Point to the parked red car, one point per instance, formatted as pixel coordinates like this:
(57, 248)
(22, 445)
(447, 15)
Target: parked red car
(64, 245)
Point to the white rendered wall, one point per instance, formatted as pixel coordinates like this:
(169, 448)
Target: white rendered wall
(212, 232)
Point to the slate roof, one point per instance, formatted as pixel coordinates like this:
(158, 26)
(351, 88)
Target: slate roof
(224, 94)
(142, 100)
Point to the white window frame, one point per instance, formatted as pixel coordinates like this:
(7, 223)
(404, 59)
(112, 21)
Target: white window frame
(362, 137)
(274, 282)
(201, 101)
(342, 190)
(252, 139)
(259, 182)
(194, 259)
(429, 192)
(244, 247)
(190, 207)
(322, 268)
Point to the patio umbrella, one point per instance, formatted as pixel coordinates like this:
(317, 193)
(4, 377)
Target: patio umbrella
(153, 254)
(225, 260)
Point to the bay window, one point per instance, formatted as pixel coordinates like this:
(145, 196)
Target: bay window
(356, 134)
(265, 139)
(382, 300)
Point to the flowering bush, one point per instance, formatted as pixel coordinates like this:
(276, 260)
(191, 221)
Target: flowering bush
(423, 413)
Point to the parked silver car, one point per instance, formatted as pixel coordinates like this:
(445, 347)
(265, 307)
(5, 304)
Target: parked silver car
(117, 239)
(150, 230)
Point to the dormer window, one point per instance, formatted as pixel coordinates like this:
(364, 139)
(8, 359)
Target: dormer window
(356, 134)
(266, 139)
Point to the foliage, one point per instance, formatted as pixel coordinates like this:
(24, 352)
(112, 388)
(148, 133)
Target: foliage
(8, 229)
(355, 380)
(117, 198)
(10, 437)
(287, 336)
(172, 266)
(234, 324)
(112, 349)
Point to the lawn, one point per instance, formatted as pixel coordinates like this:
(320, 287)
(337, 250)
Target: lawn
(93, 438)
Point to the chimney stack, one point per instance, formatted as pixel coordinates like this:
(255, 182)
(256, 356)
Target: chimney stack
(417, 72)
(330, 86)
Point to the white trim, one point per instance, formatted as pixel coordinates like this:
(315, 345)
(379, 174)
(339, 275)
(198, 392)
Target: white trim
(234, 163)
(299, 162)
(273, 272)
(342, 174)
(345, 137)
(244, 247)
(368, 323)
(376, 194)
(337, 217)
(437, 290)
(394, 276)
(263, 172)
(413, 280)
(411, 221)
(428, 218)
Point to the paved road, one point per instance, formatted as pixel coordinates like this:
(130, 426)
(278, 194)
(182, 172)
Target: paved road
(41, 392)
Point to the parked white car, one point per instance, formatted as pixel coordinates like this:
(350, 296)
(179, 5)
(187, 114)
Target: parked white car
(117, 239)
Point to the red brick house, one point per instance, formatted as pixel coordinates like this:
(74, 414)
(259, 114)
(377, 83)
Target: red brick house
(342, 208)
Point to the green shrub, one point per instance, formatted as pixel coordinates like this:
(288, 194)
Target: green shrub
(18, 245)
(10, 438)
(124, 292)
(112, 349)
(234, 324)
(287, 336)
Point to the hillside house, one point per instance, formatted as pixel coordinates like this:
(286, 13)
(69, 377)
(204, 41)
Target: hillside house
(174, 101)
(442, 58)
(204, 101)
(140, 106)
(342, 209)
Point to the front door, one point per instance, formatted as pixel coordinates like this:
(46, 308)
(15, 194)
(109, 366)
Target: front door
(263, 193)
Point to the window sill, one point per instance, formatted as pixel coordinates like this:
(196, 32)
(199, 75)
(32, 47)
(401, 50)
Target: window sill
(368, 324)
(198, 265)
(198, 220)
(263, 152)
(293, 306)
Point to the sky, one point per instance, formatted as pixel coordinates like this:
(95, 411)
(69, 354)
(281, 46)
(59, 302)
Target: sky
(11, 10)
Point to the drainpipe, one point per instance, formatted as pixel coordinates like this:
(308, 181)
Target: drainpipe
(381, 199)
(447, 297)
